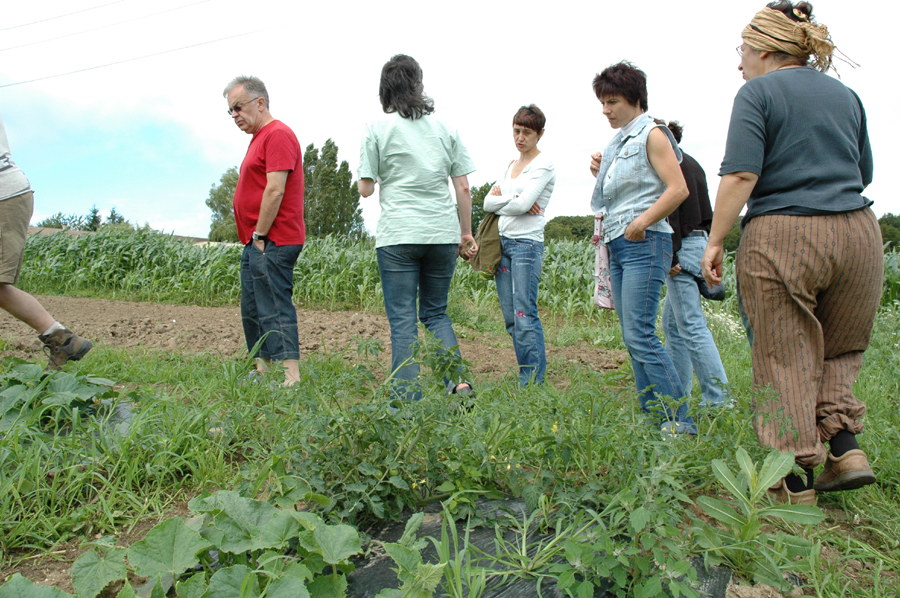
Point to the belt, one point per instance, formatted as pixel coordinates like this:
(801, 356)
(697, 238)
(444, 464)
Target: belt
(696, 233)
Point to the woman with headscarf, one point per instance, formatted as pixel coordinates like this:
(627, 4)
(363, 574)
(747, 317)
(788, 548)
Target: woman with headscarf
(810, 262)
(421, 230)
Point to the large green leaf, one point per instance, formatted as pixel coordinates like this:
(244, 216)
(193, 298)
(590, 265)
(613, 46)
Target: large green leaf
(727, 479)
(237, 519)
(286, 587)
(328, 586)
(92, 571)
(230, 581)
(21, 587)
(794, 545)
(193, 587)
(640, 517)
(127, 591)
(748, 468)
(407, 558)
(66, 383)
(336, 543)
(276, 532)
(776, 466)
(429, 575)
(168, 549)
(721, 511)
(805, 514)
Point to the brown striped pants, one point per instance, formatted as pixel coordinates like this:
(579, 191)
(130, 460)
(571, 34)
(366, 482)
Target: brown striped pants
(810, 286)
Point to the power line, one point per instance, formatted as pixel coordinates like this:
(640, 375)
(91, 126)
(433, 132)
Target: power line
(100, 66)
(102, 27)
(61, 16)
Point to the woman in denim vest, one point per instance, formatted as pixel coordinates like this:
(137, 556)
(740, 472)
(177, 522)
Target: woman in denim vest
(639, 183)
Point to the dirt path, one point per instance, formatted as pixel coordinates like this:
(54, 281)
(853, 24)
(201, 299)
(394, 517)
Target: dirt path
(191, 329)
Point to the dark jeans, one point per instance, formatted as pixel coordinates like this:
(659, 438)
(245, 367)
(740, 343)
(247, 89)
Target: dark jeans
(409, 272)
(267, 285)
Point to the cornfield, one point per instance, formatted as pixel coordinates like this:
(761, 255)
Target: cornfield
(331, 273)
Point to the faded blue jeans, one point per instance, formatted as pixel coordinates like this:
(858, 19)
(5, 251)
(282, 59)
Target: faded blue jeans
(637, 270)
(267, 307)
(688, 340)
(517, 288)
(409, 272)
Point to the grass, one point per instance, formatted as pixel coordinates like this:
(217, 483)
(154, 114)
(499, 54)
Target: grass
(577, 448)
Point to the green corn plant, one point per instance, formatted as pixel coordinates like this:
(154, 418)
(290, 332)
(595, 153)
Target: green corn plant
(740, 539)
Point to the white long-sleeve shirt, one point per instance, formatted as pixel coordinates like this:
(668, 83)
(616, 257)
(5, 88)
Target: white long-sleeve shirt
(534, 184)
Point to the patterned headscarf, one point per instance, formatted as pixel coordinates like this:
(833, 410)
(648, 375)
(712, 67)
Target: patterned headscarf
(772, 31)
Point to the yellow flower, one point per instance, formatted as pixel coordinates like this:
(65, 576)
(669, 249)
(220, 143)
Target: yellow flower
(555, 427)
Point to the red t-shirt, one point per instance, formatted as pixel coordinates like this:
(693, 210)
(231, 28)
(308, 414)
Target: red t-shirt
(273, 148)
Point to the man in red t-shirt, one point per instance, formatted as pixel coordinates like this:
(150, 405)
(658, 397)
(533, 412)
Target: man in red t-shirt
(268, 209)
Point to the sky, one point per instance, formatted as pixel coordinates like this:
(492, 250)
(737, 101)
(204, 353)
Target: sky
(150, 136)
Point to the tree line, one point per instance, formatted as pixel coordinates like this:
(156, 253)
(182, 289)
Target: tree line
(90, 222)
(330, 198)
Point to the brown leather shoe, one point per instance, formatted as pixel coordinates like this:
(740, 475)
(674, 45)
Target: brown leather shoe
(780, 494)
(64, 345)
(850, 470)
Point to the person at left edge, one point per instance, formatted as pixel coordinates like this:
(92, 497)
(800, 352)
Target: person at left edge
(268, 210)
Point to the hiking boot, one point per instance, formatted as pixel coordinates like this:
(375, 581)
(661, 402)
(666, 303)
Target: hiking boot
(849, 471)
(780, 494)
(64, 345)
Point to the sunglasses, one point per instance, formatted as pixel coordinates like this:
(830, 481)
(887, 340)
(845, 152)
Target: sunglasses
(237, 107)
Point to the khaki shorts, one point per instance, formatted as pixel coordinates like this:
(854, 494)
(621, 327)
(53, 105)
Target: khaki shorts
(15, 214)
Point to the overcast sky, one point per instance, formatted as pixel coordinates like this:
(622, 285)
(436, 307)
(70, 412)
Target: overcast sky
(150, 136)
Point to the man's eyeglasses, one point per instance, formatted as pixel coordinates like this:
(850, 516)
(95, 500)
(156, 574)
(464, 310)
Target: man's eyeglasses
(237, 107)
(739, 51)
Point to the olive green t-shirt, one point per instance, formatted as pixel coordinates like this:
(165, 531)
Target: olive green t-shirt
(412, 161)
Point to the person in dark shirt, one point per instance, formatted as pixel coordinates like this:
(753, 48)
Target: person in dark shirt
(810, 264)
(688, 340)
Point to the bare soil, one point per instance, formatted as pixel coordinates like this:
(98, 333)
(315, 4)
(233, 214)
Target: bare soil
(191, 329)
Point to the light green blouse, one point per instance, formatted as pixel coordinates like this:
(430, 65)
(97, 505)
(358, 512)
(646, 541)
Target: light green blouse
(412, 160)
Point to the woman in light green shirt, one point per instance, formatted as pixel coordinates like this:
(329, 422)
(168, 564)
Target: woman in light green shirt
(421, 231)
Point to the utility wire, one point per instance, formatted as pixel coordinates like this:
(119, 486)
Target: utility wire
(100, 66)
(102, 27)
(61, 16)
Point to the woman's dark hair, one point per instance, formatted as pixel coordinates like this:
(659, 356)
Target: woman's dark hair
(799, 12)
(401, 89)
(530, 116)
(788, 8)
(673, 126)
(623, 79)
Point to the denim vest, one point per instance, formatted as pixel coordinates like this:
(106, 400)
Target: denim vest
(633, 185)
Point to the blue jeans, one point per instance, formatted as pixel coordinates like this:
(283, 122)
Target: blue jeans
(517, 288)
(688, 340)
(407, 272)
(637, 270)
(267, 308)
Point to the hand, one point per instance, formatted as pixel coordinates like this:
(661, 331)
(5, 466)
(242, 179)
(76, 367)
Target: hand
(536, 209)
(635, 232)
(711, 265)
(495, 191)
(595, 163)
(674, 270)
(260, 244)
(467, 247)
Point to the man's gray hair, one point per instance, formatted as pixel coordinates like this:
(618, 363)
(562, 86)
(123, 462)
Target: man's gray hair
(252, 85)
